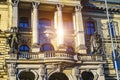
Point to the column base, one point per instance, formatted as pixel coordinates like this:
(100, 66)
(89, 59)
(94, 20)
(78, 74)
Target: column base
(81, 49)
(36, 48)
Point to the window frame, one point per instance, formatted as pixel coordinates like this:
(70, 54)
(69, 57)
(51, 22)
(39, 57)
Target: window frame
(42, 48)
(90, 27)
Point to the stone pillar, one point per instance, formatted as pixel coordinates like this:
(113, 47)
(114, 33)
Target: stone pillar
(80, 37)
(55, 20)
(100, 71)
(60, 31)
(35, 23)
(15, 13)
(76, 73)
(12, 71)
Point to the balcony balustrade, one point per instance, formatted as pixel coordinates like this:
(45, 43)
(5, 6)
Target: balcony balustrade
(92, 57)
(42, 55)
(56, 55)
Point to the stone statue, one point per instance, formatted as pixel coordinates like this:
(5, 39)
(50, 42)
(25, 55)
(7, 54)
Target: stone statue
(95, 43)
(12, 40)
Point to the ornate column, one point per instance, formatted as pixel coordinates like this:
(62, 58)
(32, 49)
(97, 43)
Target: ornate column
(15, 13)
(79, 28)
(35, 23)
(59, 24)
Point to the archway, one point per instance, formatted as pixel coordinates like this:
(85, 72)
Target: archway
(26, 75)
(58, 76)
(87, 75)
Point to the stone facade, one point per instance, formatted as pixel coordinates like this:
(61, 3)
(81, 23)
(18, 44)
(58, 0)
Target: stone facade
(53, 42)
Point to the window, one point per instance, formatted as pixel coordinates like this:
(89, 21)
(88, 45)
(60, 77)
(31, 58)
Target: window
(23, 22)
(70, 50)
(90, 28)
(112, 28)
(117, 59)
(24, 48)
(44, 23)
(46, 47)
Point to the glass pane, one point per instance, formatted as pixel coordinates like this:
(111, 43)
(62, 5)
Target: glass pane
(117, 59)
(44, 23)
(113, 33)
(46, 47)
(90, 28)
(24, 48)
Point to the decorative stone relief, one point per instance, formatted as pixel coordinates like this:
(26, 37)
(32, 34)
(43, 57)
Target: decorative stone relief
(12, 68)
(24, 40)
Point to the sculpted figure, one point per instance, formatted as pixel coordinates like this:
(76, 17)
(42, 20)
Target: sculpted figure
(95, 42)
(12, 40)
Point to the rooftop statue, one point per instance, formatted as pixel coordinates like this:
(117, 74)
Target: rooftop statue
(12, 40)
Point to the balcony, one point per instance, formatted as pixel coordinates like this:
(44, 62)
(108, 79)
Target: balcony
(48, 56)
(57, 56)
(91, 58)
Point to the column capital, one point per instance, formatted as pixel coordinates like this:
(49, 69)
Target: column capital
(15, 3)
(35, 4)
(78, 8)
(59, 7)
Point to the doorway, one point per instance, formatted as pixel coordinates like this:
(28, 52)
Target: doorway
(58, 76)
(26, 75)
(87, 75)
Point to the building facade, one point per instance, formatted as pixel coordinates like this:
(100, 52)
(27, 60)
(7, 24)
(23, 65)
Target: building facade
(58, 39)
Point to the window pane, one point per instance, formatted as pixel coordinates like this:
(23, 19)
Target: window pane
(24, 48)
(117, 59)
(23, 22)
(92, 31)
(112, 29)
(44, 23)
(90, 28)
(46, 47)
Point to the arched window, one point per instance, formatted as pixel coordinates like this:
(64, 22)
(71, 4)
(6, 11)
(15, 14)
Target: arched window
(24, 48)
(70, 50)
(46, 47)
(90, 27)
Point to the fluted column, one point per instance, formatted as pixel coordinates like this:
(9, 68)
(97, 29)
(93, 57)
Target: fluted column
(15, 13)
(60, 31)
(35, 23)
(80, 37)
